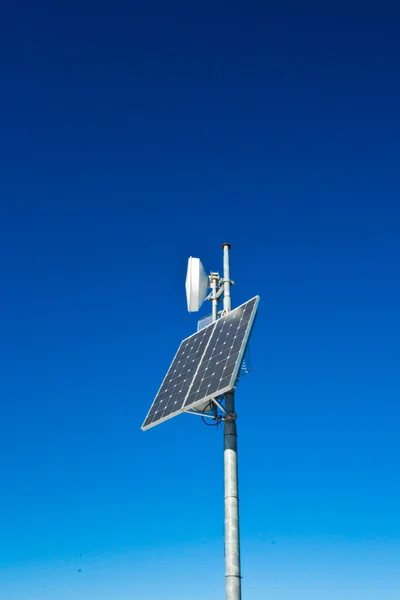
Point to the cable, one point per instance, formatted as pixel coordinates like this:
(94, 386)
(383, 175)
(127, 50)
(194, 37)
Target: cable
(210, 424)
(217, 419)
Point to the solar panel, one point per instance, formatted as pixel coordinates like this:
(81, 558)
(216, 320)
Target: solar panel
(206, 365)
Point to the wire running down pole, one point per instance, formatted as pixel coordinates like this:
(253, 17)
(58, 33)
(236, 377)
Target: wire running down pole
(233, 580)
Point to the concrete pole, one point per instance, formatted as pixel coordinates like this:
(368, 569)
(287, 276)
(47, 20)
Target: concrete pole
(233, 580)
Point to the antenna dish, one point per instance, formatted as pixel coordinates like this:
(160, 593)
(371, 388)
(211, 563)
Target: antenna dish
(197, 284)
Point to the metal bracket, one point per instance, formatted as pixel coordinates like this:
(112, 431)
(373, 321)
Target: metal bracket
(230, 417)
(217, 295)
(200, 414)
(214, 276)
(211, 297)
(219, 405)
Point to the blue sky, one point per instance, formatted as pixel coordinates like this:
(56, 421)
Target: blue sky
(132, 136)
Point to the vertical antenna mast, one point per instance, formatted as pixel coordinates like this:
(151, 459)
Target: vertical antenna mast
(233, 583)
(227, 281)
(214, 280)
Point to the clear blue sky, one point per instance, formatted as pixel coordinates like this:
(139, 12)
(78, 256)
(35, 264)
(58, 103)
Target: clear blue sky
(135, 134)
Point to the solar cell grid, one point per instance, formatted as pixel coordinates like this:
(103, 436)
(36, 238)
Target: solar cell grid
(173, 390)
(219, 366)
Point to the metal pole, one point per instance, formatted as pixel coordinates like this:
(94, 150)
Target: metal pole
(227, 279)
(233, 582)
(214, 283)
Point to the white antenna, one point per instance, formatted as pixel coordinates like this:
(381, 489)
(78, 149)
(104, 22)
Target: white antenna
(197, 284)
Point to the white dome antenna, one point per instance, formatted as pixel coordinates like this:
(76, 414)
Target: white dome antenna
(197, 284)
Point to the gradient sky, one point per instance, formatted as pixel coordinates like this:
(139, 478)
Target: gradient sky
(135, 134)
